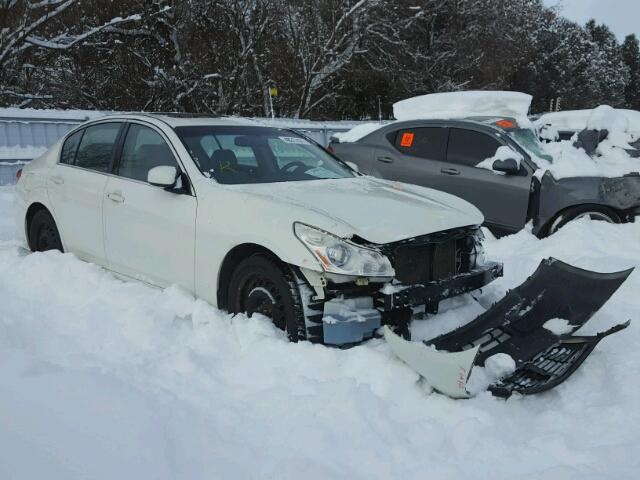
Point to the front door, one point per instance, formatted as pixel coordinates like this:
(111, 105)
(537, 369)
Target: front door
(149, 231)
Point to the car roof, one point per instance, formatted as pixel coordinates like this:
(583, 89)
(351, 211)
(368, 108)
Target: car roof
(182, 119)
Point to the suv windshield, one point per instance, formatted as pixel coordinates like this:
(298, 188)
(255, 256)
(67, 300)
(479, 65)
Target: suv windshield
(235, 155)
(528, 140)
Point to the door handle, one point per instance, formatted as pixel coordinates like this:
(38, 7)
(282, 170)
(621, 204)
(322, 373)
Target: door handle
(57, 180)
(385, 159)
(115, 197)
(450, 171)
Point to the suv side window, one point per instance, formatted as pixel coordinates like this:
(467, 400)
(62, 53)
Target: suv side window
(468, 147)
(424, 142)
(70, 147)
(143, 149)
(96, 147)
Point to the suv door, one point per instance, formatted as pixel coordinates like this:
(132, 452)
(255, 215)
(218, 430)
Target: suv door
(76, 186)
(503, 199)
(149, 231)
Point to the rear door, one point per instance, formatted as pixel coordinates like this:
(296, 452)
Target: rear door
(149, 231)
(76, 186)
(413, 155)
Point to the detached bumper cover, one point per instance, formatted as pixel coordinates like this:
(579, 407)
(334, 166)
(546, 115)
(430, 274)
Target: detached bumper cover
(515, 326)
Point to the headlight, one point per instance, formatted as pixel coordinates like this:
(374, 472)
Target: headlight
(341, 256)
(478, 257)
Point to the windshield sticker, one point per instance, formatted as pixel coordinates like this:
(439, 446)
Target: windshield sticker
(295, 140)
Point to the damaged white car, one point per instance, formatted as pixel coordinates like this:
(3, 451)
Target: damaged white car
(257, 220)
(252, 219)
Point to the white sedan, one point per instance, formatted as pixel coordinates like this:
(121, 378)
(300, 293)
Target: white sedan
(251, 219)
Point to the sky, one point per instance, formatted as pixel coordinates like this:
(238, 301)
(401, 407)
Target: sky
(622, 16)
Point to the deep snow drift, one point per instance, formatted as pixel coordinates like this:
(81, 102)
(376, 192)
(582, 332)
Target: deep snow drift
(104, 379)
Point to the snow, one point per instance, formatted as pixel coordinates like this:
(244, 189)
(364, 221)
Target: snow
(576, 120)
(558, 326)
(502, 153)
(104, 379)
(464, 104)
(496, 367)
(610, 159)
(358, 132)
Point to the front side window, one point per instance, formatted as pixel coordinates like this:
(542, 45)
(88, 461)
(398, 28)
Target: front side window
(238, 155)
(425, 142)
(96, 147)
(143, 149)
(468, 147)
(70, 147)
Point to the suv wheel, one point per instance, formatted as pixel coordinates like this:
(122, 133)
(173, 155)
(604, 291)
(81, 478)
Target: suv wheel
(43, 233)
(262, 285)
(595, 212)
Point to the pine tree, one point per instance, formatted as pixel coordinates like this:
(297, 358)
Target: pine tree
(631, 57)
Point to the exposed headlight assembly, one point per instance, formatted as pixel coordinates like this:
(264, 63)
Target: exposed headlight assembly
(341, 256)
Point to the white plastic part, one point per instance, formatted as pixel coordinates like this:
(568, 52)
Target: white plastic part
(447, 372)
(162, 176)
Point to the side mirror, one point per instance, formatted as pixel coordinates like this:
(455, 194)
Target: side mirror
(353, 166)
(162, 176)
(510, 166)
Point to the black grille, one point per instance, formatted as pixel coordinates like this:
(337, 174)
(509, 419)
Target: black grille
(425, 263)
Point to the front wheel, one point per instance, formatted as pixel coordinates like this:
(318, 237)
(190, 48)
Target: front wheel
(594, 212)
(43, 233)
(262, 285)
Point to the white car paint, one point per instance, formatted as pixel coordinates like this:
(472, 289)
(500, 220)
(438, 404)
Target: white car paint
(144, 232)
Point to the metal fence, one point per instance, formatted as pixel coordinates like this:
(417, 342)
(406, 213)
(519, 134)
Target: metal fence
(24, 134)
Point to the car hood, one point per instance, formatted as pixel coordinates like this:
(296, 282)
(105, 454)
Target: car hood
(376, 210)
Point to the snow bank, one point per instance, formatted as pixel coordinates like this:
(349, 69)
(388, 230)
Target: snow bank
(502, 153)
(104, 379)
(463, 104)
(357, 133)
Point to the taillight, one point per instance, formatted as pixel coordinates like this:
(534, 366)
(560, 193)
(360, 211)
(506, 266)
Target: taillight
(330, 148)
(18, 174)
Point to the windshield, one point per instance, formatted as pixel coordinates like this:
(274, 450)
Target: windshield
(238, 155)
(528, 140)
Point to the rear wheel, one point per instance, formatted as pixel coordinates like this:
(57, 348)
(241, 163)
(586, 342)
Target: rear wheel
(594, 212)
(262, 285)
(43, 233)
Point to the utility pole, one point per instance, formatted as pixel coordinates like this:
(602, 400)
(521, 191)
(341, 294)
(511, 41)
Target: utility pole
(273, 92)
(379, 110)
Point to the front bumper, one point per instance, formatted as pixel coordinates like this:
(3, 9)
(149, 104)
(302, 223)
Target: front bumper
(352, 318)
(433, 292)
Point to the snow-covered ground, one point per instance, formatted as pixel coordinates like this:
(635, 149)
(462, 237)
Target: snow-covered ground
(103, 379)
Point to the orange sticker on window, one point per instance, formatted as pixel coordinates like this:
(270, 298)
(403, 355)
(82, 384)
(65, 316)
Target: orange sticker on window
(407, 139)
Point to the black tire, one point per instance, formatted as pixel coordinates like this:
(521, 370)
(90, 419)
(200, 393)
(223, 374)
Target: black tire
(596, 212)
(43, 233)
(260, 284)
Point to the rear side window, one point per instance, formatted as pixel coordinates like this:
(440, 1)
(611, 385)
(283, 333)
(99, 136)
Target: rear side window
(144, 149)
(427, 142)
(70, 148)
(96, 147)
(468, 147)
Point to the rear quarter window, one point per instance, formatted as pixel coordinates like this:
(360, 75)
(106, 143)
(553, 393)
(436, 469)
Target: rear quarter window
(425, 142)
(70, 147)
